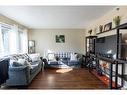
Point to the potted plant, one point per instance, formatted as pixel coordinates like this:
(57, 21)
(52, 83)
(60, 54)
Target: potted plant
(117, 20)
(90, 31)
(100, 28)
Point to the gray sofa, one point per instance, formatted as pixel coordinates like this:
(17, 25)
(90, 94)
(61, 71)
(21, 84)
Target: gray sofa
(63, 60)
(23, 75)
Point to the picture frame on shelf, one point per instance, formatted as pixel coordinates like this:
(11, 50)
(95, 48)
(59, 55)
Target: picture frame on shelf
(100, 28)
(107, 27)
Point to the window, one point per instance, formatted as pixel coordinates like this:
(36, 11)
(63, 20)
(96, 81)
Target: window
(5, 30)
(12, 40)
(20, 40)
(5, 39)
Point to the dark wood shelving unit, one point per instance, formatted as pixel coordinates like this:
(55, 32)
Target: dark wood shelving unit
(103, 78)
(122, 26)
(90, 44)
(103, 75)
(112, 84)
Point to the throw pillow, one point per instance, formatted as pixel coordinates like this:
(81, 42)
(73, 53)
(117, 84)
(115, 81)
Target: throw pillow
(28, 64)
(14, 57)
(22, 61)
(27, 57)
(11, 62)
(34, 57)
(73, 57)
(51, 57)
(16, 64)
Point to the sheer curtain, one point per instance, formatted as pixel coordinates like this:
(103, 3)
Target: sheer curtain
(13, 40)
(25, 41)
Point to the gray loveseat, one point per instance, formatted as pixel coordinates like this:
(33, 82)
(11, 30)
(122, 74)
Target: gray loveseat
(23, 75)
(64, 60)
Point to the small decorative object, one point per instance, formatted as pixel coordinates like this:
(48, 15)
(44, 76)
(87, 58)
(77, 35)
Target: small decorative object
(31, 45)
(60, 39)
(90, 31)
(104, 65)
(117, 20)
(100, 28)
(108, 26)
(57, 58)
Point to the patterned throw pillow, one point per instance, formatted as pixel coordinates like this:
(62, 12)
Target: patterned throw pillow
(26, 56)
(14, 57)
(28, 64)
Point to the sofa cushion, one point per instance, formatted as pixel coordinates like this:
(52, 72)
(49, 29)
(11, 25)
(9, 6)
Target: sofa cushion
(13, 57)
(20, 56)
(51, 57)
(53, 62)
(16, 64)
(34, 57)
(27, 57)
(65, 60)
(21, 61)
(34, 67)
(73, 57)
(28, 64)
(73, 62)
(34, 63)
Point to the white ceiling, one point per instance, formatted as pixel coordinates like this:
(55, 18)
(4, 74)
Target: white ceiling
(39, 17)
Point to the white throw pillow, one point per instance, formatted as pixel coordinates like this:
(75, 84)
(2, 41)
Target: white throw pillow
(21, 61)
(51, 57)
(11, 62)
(28, 64)
(73, 57)
(34, 57)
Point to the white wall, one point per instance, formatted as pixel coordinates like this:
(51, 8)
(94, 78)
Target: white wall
(45, 40)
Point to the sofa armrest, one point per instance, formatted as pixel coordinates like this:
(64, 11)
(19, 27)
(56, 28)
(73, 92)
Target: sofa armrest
(20, 71)
(80, 60)
(18, 75)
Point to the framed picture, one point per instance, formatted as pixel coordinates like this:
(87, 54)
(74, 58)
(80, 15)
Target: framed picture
(108, 26)
(60, 39)
(31, 46)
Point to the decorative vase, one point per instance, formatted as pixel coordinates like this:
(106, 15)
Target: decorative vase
(117, 20)
(90, 31)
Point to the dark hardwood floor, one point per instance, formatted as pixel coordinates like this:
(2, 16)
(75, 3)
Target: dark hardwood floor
(79, 78)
